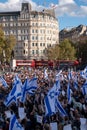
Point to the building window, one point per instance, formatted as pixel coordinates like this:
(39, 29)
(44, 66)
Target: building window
(40, 44)
(36, 44)
(36, 31)
(36, 24)
(32, 30)
(32, 44)
(43, 44)
(32, 37)
(32, 51)
(36, 51)
(36, 37)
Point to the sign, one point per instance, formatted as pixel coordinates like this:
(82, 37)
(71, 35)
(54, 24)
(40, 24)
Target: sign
(53, 126)
(21, 113)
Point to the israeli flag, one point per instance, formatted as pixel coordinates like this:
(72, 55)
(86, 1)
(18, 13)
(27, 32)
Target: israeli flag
(15, 93)
(58, 88)
(49, 101)
(14, 124)
(75, 84)
(58, 75)
(45, 74)
(84, 88)
(69, 93)
(3, 82)
(69, 75)
(84, 73)
(60, 108)
(29, 87)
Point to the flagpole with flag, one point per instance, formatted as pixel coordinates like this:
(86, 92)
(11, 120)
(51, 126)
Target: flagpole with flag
(14, 124)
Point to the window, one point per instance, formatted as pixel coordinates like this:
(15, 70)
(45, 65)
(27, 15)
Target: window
(32, 30)
(32, 51)
(40, 44)
(36, 37)
(32, 37)
(36, 44)
(36, 31)
(32, 44)
(36, 24)
(36, 51)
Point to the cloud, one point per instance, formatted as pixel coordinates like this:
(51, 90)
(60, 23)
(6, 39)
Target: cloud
(15, 5)
(64, 7)
(83, 1)
(64, 2)
(70, 8)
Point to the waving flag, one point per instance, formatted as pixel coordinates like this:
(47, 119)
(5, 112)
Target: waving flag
(50, 101)
(70, 75)
(84, 88)
(69, 93)
(3, 82)
(60, 108)
(14, 124)
(84, 73)
(29, 87)
(15, 93)
(45, 74)
(58, 75)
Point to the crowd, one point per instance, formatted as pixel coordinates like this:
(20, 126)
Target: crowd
(34, 106)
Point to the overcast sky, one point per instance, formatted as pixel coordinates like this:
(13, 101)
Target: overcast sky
(70, 13)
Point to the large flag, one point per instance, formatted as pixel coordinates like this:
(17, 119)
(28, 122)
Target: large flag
(14, 124)
(84, 88)
(15, 93)
(3, 82)
(58, 75)
(50, 101)
(29, 87)
(45, 74)
(58, 87)
(69, 93)
(84, 73)
(60, 108)
(69, 75)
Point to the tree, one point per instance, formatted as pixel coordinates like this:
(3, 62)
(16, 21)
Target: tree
(6, 46)
(2, 43)
(53, 52)
(9, 47)
(66, 50)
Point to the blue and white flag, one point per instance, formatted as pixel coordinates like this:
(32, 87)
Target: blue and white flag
(58, 75)
(45, 74)
(84, 88)
(3, 82)
(69, 75)
(60, 108)
(14, 124)
(49, 101)
(75, 84)
(69, 93)
(29, 87)
(84, 73)
(58, 88)
(15, 93)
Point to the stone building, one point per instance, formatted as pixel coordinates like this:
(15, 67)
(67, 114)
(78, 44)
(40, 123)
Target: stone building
(75, 34)
(34, 31)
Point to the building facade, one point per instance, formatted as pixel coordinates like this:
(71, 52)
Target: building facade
(76, 34)
(34, 31)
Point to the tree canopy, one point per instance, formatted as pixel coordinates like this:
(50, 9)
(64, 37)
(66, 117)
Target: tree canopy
(63, 51)
(6, 46)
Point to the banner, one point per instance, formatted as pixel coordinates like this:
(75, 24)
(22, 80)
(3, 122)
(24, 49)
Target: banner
(53, 126)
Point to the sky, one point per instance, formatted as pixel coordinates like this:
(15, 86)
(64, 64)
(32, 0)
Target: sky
(70, 13)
